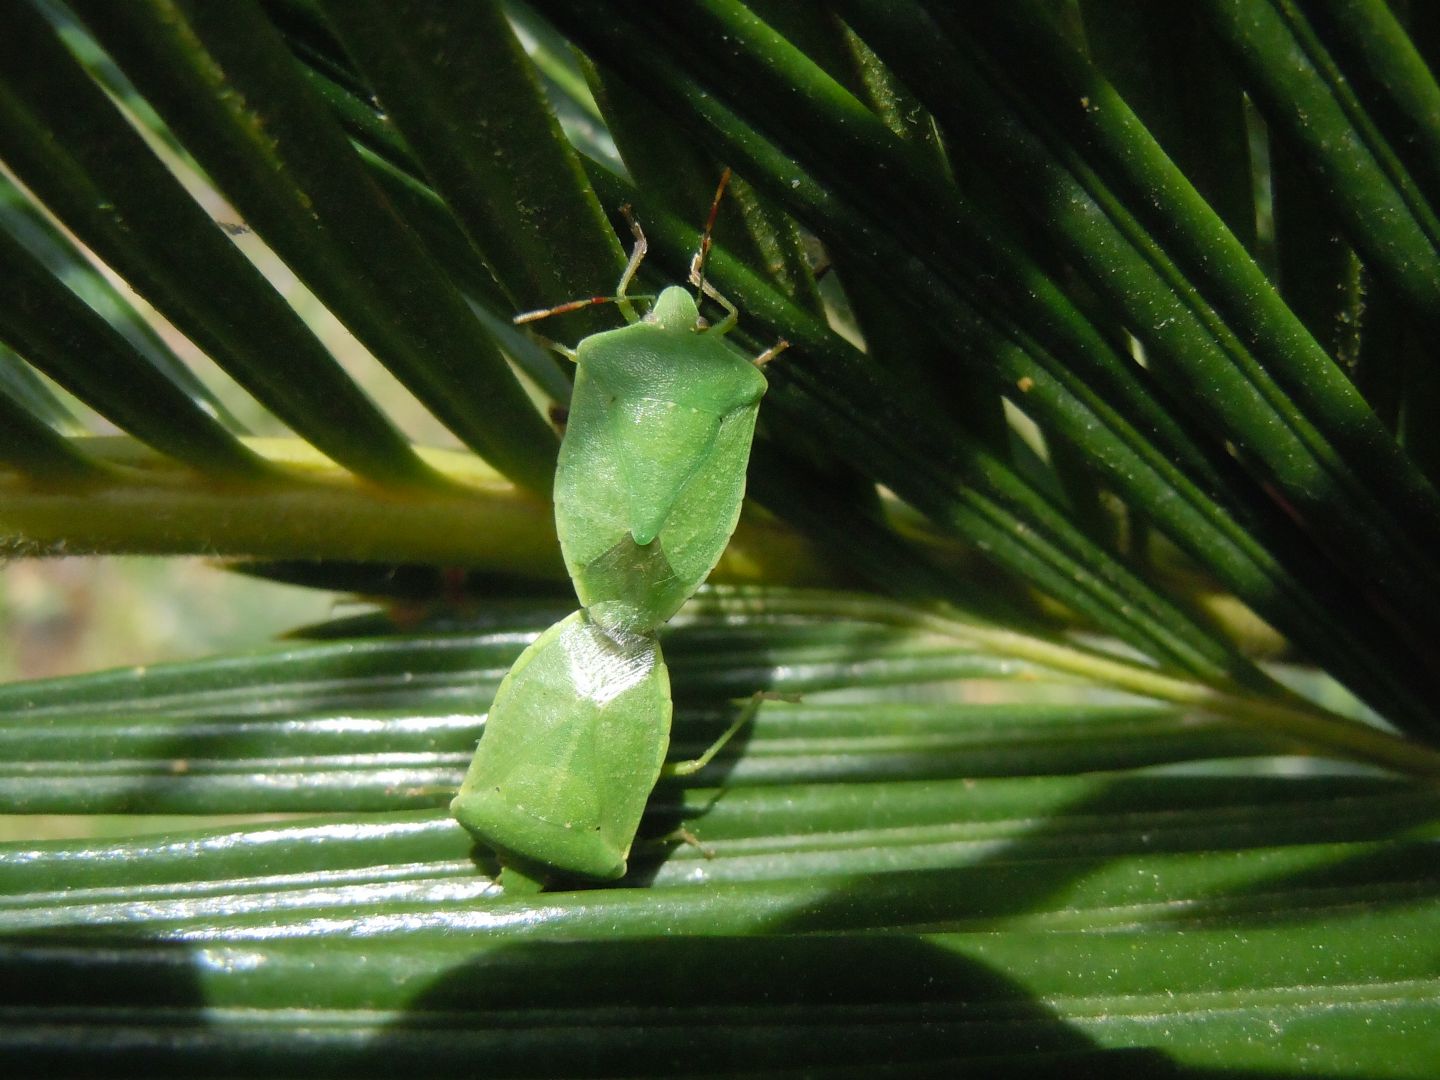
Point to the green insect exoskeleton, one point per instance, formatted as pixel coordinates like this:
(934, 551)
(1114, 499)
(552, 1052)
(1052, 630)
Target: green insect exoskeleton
(575, 741)
(648, 489)
(652, 468)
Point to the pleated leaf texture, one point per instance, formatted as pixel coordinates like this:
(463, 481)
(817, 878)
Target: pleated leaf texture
(1090, 563)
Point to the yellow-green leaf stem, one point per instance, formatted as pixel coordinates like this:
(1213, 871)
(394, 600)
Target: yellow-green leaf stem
(148, 505)
(1316, 729)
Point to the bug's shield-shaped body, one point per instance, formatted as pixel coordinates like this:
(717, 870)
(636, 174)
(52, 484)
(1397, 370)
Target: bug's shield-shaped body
(572, 747)
(652, 469)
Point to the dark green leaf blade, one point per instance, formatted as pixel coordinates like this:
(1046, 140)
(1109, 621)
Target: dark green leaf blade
(34, 449)
(457, 86)
(54, 329)
(225, 82)
(34, 232)
(75, 151)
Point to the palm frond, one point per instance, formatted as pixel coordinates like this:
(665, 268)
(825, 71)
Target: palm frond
(1117, 355)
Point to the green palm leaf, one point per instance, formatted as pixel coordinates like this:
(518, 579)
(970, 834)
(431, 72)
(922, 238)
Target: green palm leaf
(1085, 398)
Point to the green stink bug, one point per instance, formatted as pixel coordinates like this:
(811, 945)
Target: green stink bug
(652, 468)
(575, 741)
(648, 490)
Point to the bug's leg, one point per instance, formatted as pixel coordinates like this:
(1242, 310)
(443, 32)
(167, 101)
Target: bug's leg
(621, 299)
(694, 765)
(637, 255)
(770, 353)
(516, 882)
(732, 314)
(683, 835)
(555, 346)
(679, 836)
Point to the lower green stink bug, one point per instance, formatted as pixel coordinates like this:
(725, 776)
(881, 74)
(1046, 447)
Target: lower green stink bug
(575, 741)
(648, 489)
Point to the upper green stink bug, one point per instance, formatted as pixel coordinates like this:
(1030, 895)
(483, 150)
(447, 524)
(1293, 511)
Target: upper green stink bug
(648, 490)
(652, 468)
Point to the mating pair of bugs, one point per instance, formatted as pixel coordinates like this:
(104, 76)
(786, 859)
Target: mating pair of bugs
(648, 488)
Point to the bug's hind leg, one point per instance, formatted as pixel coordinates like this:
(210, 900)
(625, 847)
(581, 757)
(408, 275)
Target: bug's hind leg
(746, 714)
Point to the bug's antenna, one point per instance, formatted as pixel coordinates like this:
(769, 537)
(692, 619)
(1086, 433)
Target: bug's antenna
(704, 253)
(573, 305)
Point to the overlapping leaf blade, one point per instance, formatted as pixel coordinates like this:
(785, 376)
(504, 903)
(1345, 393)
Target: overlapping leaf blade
(75, 150)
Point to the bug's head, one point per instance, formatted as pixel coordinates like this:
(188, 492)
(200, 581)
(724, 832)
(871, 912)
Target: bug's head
(675, 310)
